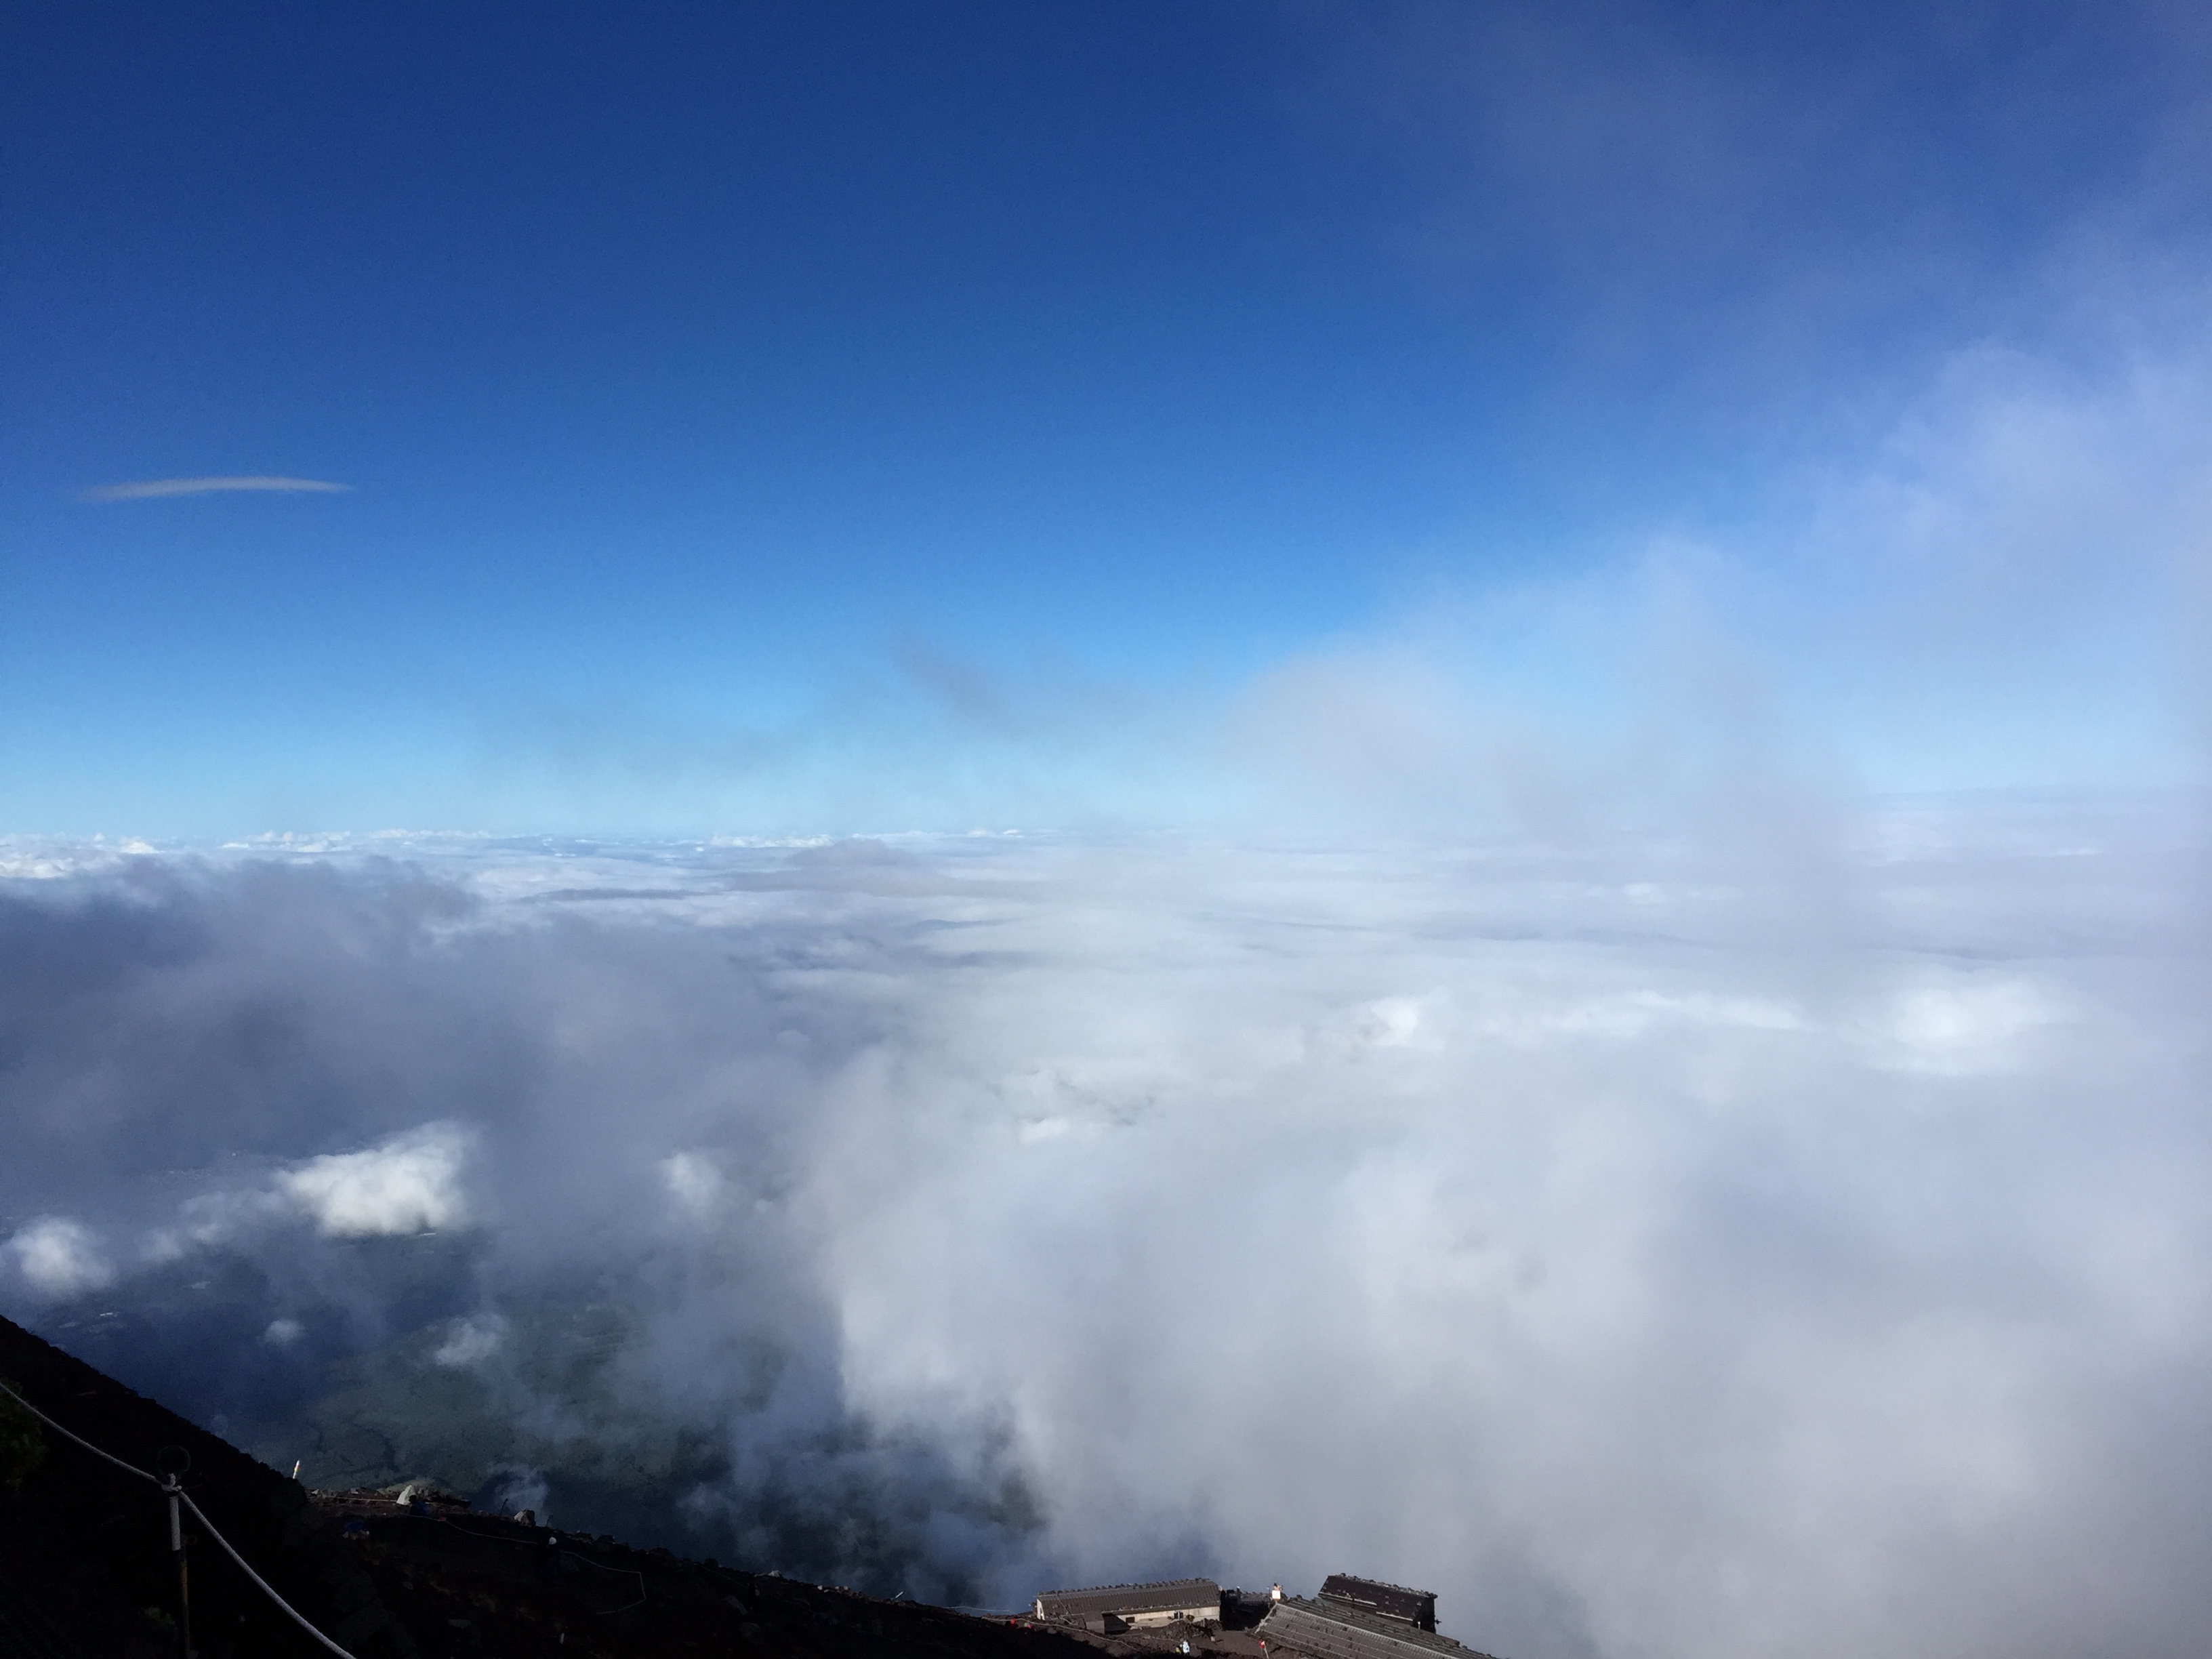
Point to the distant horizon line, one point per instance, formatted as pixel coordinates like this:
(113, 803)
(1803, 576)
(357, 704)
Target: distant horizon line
(1987, 795)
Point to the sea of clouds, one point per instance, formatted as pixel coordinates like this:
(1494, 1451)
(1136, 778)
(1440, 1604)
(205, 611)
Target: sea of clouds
(1657, 1249)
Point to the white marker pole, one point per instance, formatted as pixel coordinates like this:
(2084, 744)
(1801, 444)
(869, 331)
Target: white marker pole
(184, 1583)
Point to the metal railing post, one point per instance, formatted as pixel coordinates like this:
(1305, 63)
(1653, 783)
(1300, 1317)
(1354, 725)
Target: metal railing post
(183, 1580)
(172, 1462)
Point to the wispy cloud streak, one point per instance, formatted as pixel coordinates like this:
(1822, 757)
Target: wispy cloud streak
(149, 489)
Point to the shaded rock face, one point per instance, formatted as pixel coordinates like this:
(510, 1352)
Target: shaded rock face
(85, 1567)
(84, 1548)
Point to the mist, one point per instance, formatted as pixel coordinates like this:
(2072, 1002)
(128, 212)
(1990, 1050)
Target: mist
(1656, 1244)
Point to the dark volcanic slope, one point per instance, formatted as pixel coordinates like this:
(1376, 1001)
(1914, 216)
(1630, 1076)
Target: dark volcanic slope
(85, 1567)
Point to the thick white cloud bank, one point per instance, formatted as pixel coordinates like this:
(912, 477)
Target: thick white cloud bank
(1788, 1241)
(56, 1257)
(410, 1184)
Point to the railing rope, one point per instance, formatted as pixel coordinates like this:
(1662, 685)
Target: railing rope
(176, 1492)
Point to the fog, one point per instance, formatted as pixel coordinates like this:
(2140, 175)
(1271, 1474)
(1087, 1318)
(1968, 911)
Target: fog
(1656, 1246)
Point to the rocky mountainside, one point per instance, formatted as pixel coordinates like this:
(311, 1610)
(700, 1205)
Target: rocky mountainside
(86, 1569)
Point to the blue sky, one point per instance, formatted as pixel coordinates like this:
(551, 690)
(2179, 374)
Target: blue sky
(854, 417)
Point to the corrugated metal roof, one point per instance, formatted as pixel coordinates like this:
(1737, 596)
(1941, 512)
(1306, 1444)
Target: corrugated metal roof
(1161, 1596)
(1391, 1600)
(1331, 1630)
